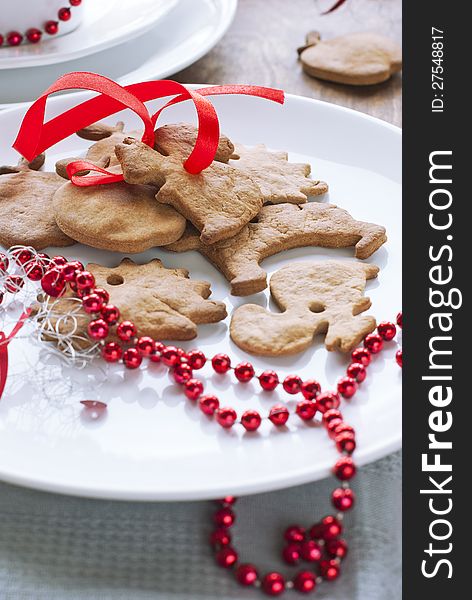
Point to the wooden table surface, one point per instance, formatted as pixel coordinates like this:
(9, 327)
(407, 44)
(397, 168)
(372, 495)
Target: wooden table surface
(260, 48)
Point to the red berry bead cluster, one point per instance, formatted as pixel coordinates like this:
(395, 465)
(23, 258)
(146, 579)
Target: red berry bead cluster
(34, 34)
(18, 266)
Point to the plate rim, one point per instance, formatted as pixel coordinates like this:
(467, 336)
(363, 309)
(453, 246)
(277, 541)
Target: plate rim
(303, 475)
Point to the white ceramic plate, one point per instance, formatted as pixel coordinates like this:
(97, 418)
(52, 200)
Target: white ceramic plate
(105, 24)
(180, 38)
(156, 445)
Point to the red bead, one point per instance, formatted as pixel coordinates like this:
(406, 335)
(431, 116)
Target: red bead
(22, 256)
(343, 427)
(159, 347)
(34, 271)
(131, 358)
(227, 557)
(279, 415)
(329, 569)
(98, 329)
(306, 410)
(326, 401)
(273, 584)
(92, 303)
(156, 355)
(226, 417)
(304, 582)
(244, 372)
(292, 384)
(208, 404)
(4, 262)
(387, 330)
(399, 357)
(75, 2)
(51, 27)
(193, 389)
(251, 420)
(44, 258)
(2, 295)
(247, 574)
(294, 533)
(331, 414)
(14, 283)
(310, 389)
(220, 537)
(64, 14)
(109, 312)
(14, 38)
(400, 320)
(34, 35)
(126, 331)
(227, 500)
(361, 355)
(145, 345)
(269, 380)
(1, 39)
(104, 295)
(331, 527)
(345, 442)
(357, 371)
(373, 342)
(182, 373)
(170, 356)
(53, 283)
(69, 271)
(310, 551)
(196, 359)
(221, 363)
(224, 517)
(291, 554)
(336, 548)
(80, 293)
(343, 499)
(344, 469)
(112, 352)
(347, 387)
(84, 280)
(331, 427)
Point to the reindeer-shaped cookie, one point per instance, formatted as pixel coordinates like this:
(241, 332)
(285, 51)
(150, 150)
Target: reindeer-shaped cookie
(314, 297)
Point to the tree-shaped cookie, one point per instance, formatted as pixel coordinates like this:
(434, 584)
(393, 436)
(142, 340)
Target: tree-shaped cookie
(314, 297)
(282, 227)
(219, 201)
(26, 212)
(279, 179)
(163, 303)
(118, 217)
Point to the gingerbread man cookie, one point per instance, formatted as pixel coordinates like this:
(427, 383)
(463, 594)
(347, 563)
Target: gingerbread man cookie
(314, 297)
(178, 139)
(282, 227)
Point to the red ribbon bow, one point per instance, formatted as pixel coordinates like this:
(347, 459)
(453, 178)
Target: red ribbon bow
(4, 341)
(36, 136)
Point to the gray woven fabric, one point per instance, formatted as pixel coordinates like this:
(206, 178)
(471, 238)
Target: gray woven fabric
(56, 547)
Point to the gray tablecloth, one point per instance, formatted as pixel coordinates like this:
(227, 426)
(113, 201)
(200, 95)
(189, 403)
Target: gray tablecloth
(56, 547)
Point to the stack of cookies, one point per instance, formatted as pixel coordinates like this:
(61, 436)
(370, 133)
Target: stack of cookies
(249, 204)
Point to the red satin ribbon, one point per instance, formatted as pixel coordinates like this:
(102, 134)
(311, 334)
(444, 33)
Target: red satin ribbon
(4, 341)
(35, 136)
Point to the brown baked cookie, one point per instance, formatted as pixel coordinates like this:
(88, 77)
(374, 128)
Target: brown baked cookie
(314, 297)
(118, 217)
(219, 201)
(353, 59)
(282, 227)
(179, 139)
(279, 179)
(26, 214)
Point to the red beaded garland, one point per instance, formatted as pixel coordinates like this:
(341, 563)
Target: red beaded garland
(98, 329)
(182, 373)
(304, 582)
(196, 359)
(13, 284)
(327, 401)
(357, 371)
(64, 14)
(126, 331)
(132, 359)
(310, 389)
(193, 389)
(251, 420)
(400, 320)
(328, 528)
(310, 551)
(329, 569)
(75, 2)
(4, 263)
(387, 330)
(34, 271)
(399, 357)
(347, 387)
(109, 312)
(279, 415)
(221, 363)
(34, 35)
(246, 574)
(208, 404)
(226, 417)
(51, 27)
(295, 533)
(22, 256)
(292, 384)
(104, 295)
(361, 355)
(53, 282)
(336, 548)
(343, 499)
(345, 442)
(291, 553)
(220, 537)
(244, 372)
(344, 469)
(273, 584)
(269, 380)
(14, 38)
(59, 261)
(227, 557)
(373, 342)
(306, 410)
(92, 303)
(112, 352)
(331, 414)
(225, 517)
(145, 345)
(85, 280)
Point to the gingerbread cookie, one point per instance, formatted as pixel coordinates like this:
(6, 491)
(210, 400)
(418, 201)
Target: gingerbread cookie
(353, 59)
(163, 303)
(118, 217)
(179, 139)
(278, 228)
(26, 214)
(314, 297)
(219, 201)
(279, 179)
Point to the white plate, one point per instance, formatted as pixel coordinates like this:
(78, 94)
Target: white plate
(156, 445)
(183, 36)
(105, 24)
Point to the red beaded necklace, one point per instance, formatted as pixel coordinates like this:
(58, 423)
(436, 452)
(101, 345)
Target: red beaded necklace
(34, 34)
(321, 545)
